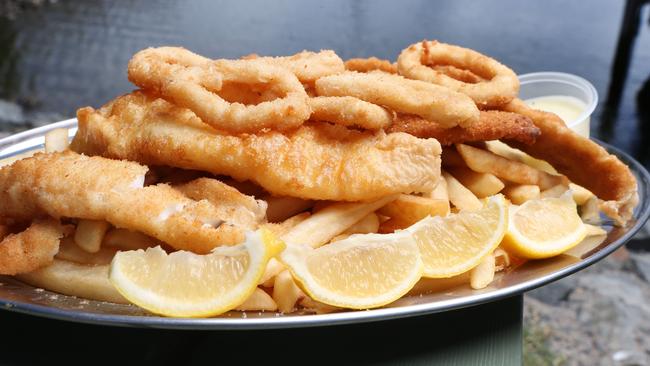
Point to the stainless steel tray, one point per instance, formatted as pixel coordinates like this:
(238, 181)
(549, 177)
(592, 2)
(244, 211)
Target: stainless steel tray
(19, 297)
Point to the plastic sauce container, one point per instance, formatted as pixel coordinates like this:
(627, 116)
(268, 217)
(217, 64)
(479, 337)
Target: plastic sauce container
(569, 96)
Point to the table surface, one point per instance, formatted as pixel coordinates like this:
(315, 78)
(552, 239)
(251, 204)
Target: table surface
(65, 54)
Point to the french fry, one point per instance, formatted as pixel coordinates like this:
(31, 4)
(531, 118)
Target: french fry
(259, 300)
(408, 209)
(283, 227)
(274, 267)
(56, 140)
(440, 192)
(312, 306)
(69, 278)
(90, 234)
(501, 259)
(70, 251)
(128, 240)
(520, 193)
(481, 184)
(590, 211)
(460, 196)
(483, 161)
(594, 230)
(282, 208)
(555, 191)
(483, 274)
(285, 292)
(511, 153)
(331, 221)
(390, 225)
(580, 194)
(367, 225)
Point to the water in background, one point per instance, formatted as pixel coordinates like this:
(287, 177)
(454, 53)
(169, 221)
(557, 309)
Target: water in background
(56, 56)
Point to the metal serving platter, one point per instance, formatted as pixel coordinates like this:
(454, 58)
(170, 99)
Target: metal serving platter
(19, 297)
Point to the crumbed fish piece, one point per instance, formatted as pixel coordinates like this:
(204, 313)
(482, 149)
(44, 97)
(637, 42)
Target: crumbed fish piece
(492, 125)
(32, 248)
(582, 160)
(315, 161)
(67, 184)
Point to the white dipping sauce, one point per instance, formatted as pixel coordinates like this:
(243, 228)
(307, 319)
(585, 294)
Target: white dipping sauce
(568, 108)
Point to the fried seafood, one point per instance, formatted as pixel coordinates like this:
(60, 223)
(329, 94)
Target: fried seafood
(32, 248)
(501, 84)
(492, 125)
(350, 111)
(370, 64)
(240, 209)
(196, 86)
(429, 101)
(315, 161)
(582, 160)
(307, 66)
(68, 185)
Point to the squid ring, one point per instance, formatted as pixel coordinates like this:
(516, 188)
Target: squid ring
(194, 82)
(419, 60)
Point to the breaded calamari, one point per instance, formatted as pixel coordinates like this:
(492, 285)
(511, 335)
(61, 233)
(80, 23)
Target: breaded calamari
(71, 185)
(314, 161)
(582, 160)
(492, 125)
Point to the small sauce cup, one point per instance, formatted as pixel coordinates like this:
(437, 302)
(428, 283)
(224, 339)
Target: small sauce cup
(570, 96)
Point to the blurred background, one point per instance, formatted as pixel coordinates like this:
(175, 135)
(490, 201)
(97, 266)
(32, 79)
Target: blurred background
(59, 55)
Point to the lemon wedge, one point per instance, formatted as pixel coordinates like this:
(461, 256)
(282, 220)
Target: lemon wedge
(360, 272)
(456, 243)
(544, 228)
(184, 284)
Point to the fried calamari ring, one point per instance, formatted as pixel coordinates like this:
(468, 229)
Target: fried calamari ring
(500, 87)
(370, 64)
(350, 111)
(429, 101)
(32, 248)
(307, 66)
(458, 74)
(164, 70)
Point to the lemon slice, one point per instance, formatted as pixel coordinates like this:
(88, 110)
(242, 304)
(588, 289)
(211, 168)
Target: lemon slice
(456, 243)
(360, 272)
(544, 228)
(184, 284)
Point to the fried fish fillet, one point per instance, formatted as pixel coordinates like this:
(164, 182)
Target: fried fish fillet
(315, 161)
(32, 248)
(582, 160)
(492, 125)
(71, 185)
(240, 209)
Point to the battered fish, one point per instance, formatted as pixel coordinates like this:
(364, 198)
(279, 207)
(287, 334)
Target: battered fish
(315, 161)
(71, 185)
(582, 160)
(240, 209)
(492, 125)
(30, 249)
